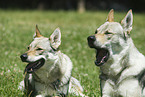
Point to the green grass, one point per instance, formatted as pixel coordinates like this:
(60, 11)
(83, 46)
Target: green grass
(17, 29)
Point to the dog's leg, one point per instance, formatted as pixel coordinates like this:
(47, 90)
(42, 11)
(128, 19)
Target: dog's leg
(130, 88)
(29, 85)
(143, 92)
(75, 87)
(106, 88)
(21, 86)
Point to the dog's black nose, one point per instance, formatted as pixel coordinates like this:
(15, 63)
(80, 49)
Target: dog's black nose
(91, 38)
(24, 57)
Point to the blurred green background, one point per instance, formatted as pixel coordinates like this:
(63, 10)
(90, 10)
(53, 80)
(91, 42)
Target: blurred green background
(17, 28)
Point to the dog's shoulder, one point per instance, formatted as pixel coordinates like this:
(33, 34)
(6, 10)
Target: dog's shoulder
(64, 59)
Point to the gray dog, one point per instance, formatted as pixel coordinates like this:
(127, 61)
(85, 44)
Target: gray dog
(48, 72)
(122, 65)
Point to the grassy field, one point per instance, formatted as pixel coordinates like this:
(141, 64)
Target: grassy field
(16, 33)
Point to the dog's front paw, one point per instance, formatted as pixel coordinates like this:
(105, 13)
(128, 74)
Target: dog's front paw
(21, 86)
(39, 96)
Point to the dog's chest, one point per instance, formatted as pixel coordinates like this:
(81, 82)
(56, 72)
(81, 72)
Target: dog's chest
(111, 70)
(44, 76)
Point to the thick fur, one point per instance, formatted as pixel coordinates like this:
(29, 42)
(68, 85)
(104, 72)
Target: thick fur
(123, 75)
(54, 77)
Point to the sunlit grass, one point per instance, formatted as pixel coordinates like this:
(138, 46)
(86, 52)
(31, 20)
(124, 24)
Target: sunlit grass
(17, 29)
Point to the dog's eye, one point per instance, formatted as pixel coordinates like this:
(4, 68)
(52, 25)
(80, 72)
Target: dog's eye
(96, 32)
(39, 49)
(108, 32)
(28, 47)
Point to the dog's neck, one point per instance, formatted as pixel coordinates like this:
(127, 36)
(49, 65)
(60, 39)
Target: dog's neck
(55, 69)
(127, 63)
(120, 61)
(50, 67)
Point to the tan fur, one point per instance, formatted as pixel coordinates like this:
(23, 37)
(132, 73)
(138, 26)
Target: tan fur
(111, 16)
(37, 32)
(101, 37)
(31, 53)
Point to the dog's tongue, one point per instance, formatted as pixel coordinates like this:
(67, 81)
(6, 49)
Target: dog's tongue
(31, 67)
(101, 57)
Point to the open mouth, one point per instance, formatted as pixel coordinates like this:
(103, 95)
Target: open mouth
(33, 66)
(101, 56)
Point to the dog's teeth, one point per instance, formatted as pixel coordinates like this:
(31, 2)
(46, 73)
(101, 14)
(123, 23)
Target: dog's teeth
(103, 61)
(39, 63)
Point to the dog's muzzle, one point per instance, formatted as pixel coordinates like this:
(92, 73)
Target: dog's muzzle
(24, 57)
(32, 66)
(91, 40)
(102, 54)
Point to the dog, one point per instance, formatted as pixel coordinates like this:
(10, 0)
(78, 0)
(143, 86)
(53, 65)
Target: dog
(48, 72)
(122, 66)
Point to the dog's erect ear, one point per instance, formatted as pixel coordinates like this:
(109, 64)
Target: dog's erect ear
(127, 22)
(110, 17)
(37, 33)
(55, 38)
